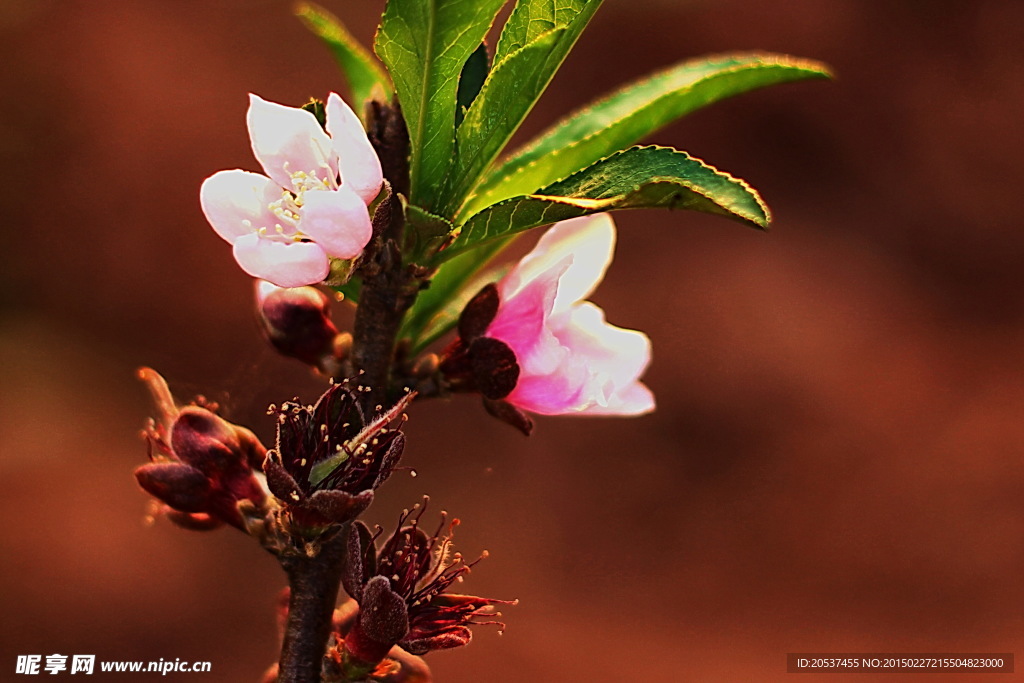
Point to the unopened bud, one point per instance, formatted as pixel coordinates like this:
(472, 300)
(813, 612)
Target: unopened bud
(181, 486)
(202, 465)
(297, 322)
(207, 442)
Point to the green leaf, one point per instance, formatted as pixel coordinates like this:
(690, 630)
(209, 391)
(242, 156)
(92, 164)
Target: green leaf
(639, 177)
(425, 233)
(628, 115)
(360, 68)
(533, 18)
(474, 73)
(425, 44)
(438, 307)
(533, 44)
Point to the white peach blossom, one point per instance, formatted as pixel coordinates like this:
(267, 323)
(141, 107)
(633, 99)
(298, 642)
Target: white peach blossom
(310, 207)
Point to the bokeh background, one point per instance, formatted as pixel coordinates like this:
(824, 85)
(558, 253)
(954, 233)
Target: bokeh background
(836, 462)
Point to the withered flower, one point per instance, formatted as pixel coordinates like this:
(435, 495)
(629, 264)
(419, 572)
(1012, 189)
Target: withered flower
(329, 458)
(202, 465)
(402, 592)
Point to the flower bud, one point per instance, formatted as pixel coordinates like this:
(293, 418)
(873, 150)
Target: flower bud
(297, 321)
(181, 486)
(201, 464)
(206, 441)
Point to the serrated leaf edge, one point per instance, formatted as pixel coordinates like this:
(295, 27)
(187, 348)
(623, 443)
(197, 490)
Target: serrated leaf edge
(455, 249)
(812, 68)
(481, 99)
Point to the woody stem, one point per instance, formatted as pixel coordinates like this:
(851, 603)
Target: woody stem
(388, 290)
(314, 583)
(386, 294)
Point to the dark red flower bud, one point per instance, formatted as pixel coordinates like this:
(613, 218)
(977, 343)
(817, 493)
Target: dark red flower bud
(201, 462)
(181, 486)
(297, 321)
(207, 442)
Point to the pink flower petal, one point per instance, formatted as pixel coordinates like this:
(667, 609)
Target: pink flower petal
(590, 240)
(336, 220)
(553, 394)
(235, 202)
(357, 160)
(283, 263)
(521, 321)
(286, 140)
(571, 360)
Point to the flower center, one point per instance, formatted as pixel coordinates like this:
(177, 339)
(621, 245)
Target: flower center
(289, 206)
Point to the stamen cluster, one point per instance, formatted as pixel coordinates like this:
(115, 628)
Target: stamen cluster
(329, 458)
(402, 592)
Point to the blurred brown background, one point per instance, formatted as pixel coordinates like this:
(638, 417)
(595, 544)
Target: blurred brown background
(836, 462)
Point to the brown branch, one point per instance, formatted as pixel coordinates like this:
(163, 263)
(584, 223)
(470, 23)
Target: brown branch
(314, 585)
(388, 290)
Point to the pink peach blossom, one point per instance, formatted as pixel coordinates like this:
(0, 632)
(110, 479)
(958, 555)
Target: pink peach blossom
(310, 207)
(570, 360)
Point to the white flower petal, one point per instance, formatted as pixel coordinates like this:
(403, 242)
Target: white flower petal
(235, 202)
(283, 263)
(287, 140)
(336, 220)
(591, 242)
(615, 359)
(357, 160)
(635, 399)
(615, 356)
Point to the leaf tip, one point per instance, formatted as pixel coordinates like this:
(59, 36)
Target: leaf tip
(306, 11)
